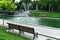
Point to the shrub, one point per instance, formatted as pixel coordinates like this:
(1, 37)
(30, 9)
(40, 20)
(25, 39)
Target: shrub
(35, 13)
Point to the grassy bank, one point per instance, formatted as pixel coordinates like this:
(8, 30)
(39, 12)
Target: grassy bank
(9, 36)
(51, 14)
(45, 14)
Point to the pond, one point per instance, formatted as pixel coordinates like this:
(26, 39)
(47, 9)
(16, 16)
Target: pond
(35, 21)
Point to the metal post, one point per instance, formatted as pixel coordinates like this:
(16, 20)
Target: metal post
(3, 19)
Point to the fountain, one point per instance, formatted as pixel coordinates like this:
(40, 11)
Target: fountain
(26, 6)
(25, 12)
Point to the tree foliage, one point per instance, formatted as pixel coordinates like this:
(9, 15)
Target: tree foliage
(52, 5)
(7, 5)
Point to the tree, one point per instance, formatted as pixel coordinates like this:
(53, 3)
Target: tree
(7, 5)
(58, 5)
(51, 5)
(35, 4)
(42, 4)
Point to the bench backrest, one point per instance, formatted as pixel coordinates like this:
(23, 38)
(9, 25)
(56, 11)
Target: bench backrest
(13, 26)
(27, 29)
(22, 28)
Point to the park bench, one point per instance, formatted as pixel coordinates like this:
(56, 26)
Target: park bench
(22, 29)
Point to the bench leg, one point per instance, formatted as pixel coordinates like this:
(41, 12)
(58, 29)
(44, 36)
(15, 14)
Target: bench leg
(22, 32)
(9, 29)
(35, 35)
(19, 32)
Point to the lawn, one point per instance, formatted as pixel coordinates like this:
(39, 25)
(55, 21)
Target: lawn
(9, 36)
(52, 14)
(47, 14)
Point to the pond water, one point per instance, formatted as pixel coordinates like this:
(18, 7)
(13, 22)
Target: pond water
(36, 21)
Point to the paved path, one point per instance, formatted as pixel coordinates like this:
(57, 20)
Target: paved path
(53, 32)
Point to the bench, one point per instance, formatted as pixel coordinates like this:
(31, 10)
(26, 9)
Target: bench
(22, 29)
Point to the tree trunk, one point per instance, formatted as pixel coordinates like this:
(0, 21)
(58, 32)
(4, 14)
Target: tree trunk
(36, 6)
(49, 7)
(52, 9)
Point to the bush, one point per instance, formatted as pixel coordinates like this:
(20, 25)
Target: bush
(35, 13)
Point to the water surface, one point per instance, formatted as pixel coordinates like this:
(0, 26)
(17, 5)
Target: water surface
(35, 21)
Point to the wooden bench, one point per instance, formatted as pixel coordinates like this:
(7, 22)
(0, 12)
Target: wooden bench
(22, 29)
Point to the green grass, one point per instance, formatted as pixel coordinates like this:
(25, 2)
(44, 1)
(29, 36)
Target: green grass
(35, 13)
(47, 14)
(52, 14)
(9, 36)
